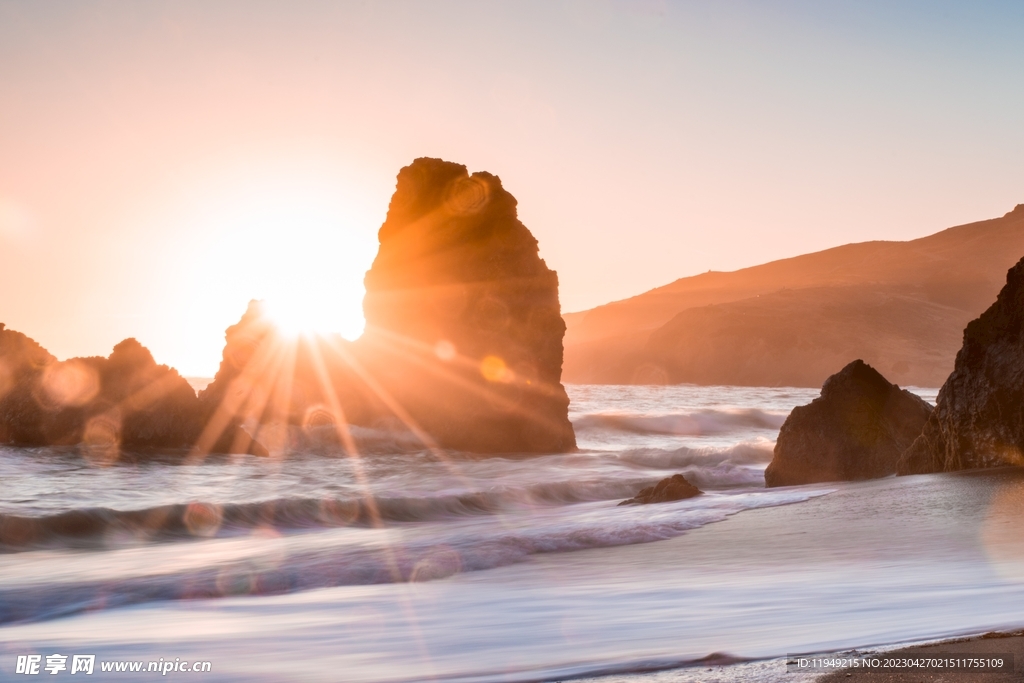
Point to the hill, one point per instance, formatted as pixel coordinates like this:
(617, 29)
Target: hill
(900, 306)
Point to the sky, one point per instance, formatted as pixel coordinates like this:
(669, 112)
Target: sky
(162, 163)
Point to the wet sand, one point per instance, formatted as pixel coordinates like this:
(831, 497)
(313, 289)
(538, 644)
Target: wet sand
(965, 523)
(1001, 643)
(866, 565)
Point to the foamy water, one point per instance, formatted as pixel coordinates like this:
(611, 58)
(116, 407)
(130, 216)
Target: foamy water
(410, 565)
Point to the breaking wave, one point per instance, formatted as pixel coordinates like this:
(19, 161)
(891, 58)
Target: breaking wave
(696, 423)
(262, 564)
(559, 480)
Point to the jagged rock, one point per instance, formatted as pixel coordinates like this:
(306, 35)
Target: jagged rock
(157, 407)
(22, 361)
(241, 390)
(856, 429)
(979, 416)
(125, 401)
(269, 384)
(671, 488)
(464, 329)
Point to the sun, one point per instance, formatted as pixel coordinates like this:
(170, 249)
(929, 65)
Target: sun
(301, 242)
(297, 315)
(301, 254)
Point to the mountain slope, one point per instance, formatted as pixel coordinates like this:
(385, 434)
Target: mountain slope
(901, 306)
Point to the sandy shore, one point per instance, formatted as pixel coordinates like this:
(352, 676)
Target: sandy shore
(869, 565)
(1011, 642)
(930, 521)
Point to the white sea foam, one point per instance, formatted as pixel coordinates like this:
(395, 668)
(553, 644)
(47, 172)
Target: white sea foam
(835, 573)
(695, 423)
(408, 564)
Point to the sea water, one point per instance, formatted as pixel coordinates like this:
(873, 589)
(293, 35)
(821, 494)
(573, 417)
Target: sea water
(406, 564)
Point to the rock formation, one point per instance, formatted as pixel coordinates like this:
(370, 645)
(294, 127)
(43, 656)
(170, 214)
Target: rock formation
(125, 401)
(856, 429)
(22, 361)
(154, 405)
(463, 346)
(242, 386)
(665, 491)
(268, 382)
(464, 329)
(979, 416)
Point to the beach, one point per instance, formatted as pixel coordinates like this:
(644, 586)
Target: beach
(548, 579)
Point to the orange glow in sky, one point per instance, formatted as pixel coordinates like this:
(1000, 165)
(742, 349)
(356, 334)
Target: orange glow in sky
(163, 163)
(295, 238)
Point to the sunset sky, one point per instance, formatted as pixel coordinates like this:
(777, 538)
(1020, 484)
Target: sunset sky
(161, 163)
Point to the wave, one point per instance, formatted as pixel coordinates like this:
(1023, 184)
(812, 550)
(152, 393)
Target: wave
(743, 453)
(696, 423)
(369, 440)
(104, 527)
(557, 480)
(261, 564)
(741, 465)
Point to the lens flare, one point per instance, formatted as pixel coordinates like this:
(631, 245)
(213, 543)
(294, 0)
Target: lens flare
(101, 439)
(1000, 533)
(445, 350)
(71, 383)
(203, 519)
(494, 369)
(441, 563)
(468, 196)
(317, 416)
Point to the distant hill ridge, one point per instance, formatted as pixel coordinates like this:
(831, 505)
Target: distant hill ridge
(901, 306)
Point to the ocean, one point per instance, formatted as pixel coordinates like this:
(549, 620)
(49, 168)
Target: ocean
(405, 564)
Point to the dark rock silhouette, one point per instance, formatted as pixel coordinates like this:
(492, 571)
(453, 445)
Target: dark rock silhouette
(125, 401)
(156, 406)
(856, 429)
(671, 488)
(22, 361)
(979, 416)
(463, 341)
(242, 385)
(463, 347)
(464, 329)
(268, 382)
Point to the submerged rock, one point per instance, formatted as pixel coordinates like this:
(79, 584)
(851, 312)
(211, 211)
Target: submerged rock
(464, 329)
(671, 488)
(856, 429)
(979, 416)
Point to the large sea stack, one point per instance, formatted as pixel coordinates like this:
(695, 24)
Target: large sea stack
(856, 429)
(979, 417)
(464, 329)
(463, 341)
